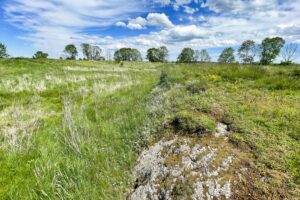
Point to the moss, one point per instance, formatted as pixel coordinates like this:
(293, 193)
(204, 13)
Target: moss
(188, 122)
(182, 190)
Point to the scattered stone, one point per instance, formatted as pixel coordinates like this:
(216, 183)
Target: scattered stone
(182, 169)
(222, 129)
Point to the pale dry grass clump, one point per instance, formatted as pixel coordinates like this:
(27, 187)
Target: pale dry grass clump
(18, 123)
(94, 69)
(17, 126)
(102, 69)
(22, 83)
(75, 126)
(110, 87)
(49, 81)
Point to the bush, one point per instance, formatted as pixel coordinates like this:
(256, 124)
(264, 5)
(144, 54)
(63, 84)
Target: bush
(40, 55)
(193, 123)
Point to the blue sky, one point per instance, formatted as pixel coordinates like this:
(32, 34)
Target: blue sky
(49, 25)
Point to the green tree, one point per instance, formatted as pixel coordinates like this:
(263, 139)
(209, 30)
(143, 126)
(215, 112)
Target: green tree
(163, 54)
(152, 55)
(96, 53)
(40, 55)
(203, 56)
(227, 56)
(3, 51)
(91, 52)
(71, 52)
(158, 54)
(270, 49)
(136, 55)
(247, 52)
(127, 54)
(187, 55)
(86, 50)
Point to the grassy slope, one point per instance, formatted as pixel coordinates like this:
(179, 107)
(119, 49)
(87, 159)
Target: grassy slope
(83, 122)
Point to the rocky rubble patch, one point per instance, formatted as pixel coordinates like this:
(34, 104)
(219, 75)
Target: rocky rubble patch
(184, 168)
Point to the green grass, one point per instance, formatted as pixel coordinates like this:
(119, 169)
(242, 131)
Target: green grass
(261, 104)
(68, 129)
(77, 132)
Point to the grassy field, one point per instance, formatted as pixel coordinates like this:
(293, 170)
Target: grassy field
(68, 128)
(73, 129)
(261, 105)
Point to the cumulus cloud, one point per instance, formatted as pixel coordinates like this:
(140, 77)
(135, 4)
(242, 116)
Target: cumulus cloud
(121, 24)
(153, 19)
(133, 26)
(159, 19)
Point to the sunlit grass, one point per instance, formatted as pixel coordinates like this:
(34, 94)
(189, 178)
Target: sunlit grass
(72, 129)
(70, 134)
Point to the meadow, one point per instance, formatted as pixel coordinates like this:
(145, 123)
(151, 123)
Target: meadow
(74, 129)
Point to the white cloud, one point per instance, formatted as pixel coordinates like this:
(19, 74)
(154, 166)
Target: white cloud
(133, 26)
(121, 24)
(51, 24)
(202, 18)
(136, 24)
(153, 19)
(182, 2)
(189, 10)
(229, 28)
(177, 4)
(187, 33)
(240, 6)
(163, 2)
(159, 19)
(139, 20)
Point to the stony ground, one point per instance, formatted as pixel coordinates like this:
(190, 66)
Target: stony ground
(185, 167)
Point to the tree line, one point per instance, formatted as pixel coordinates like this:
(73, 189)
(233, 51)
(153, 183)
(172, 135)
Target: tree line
(267, 52)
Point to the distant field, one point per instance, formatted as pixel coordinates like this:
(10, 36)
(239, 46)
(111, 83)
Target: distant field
(73, 129)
